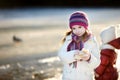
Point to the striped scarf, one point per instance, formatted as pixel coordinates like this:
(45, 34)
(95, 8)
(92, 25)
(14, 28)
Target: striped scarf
(77, 43)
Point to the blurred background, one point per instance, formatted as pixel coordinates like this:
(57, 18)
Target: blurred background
(31, 32)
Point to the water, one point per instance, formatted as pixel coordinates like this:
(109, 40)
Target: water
(49, 16)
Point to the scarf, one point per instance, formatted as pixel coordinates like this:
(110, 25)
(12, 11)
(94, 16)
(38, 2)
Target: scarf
(77, 43)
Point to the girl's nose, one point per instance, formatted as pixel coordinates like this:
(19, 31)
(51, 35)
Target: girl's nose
(77, 31)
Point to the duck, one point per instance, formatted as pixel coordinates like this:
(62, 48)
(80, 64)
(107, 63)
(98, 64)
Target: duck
(16, 39)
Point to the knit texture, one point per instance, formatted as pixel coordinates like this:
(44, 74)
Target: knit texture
(78, 18)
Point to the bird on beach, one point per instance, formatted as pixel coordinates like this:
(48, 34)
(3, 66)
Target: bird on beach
(16, 39)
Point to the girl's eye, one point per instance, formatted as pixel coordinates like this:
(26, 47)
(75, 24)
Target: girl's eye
(73, 28)
(79, 27)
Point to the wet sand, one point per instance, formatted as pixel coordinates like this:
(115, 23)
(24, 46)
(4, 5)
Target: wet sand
(32, 59)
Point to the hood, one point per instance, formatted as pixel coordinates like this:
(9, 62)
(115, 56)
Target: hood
(115, 43)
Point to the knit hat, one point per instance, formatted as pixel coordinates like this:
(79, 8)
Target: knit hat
(78, 18)
(108, 34)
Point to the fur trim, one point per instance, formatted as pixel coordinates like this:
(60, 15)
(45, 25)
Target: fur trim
(107, 46)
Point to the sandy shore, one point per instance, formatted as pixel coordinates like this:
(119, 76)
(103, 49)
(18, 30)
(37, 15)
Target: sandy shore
(39, 69)
(28, 60)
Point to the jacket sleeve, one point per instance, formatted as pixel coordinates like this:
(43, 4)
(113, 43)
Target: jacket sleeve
(66, 56)
(95, 53)
(104, 62)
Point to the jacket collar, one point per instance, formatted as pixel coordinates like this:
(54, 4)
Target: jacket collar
(69, 38)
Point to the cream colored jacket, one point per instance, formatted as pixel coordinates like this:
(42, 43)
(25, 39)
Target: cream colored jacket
(84, 69)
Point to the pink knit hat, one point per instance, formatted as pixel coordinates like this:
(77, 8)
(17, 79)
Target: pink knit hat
(78, 18)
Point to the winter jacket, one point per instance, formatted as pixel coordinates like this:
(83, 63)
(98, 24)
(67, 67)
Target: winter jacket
(106, 69)
(84, 69)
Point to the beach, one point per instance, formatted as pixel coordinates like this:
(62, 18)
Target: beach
(41, 31)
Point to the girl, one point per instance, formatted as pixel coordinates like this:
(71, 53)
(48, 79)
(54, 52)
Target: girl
(106, 70)
(79, 52)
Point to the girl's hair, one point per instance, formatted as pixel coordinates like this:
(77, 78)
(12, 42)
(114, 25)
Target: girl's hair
(67, 33)
(85, 35)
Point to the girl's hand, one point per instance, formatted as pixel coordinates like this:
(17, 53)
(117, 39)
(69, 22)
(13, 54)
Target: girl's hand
(85, 51)
(77, 55)
(96, 75)
(86, 55)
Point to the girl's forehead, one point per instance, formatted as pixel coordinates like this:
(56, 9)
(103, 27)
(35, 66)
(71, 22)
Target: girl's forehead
(76, 26)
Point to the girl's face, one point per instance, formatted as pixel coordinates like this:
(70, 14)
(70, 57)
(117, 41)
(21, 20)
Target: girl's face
(78, 30)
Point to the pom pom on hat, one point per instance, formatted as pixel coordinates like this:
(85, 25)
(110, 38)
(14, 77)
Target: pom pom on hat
(108, 34)
(78, 18)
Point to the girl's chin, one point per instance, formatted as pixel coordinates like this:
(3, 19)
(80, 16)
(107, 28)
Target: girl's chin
(78, 34)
